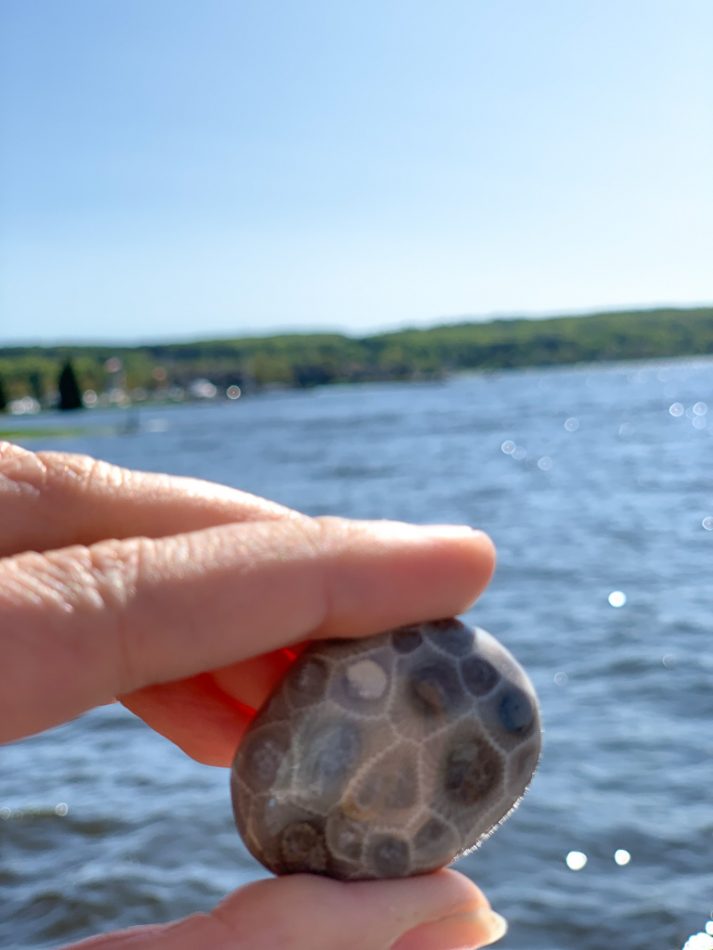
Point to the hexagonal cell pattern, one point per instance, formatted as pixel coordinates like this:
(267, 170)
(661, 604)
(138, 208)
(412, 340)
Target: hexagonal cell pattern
(387, 756)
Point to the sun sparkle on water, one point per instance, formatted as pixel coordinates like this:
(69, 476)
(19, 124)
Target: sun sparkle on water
(576, 860)
(699, 941)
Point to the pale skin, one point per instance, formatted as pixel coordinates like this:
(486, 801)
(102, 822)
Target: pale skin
(187, 601)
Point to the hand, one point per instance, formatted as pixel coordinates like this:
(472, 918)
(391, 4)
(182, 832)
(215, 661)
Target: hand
(188, 601)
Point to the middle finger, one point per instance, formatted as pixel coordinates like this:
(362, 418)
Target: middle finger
(53, 500)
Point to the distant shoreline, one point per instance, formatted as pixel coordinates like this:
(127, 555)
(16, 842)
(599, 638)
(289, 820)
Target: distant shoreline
(173, 371)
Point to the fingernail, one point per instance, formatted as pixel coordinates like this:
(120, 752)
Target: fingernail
(498, 927)
(398, 530)
(459, 932)
(449, 530)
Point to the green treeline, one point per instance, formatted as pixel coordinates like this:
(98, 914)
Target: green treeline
(300, 360)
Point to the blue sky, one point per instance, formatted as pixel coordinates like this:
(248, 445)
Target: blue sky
(172, 168)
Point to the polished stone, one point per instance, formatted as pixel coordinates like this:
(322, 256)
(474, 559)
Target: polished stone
(387, 756)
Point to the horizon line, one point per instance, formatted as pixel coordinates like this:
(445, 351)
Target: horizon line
(444, 321)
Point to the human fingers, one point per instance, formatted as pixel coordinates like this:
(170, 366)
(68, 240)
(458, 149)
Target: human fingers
(206, 715)
(440, 911)
(84, 624)
(55, 499)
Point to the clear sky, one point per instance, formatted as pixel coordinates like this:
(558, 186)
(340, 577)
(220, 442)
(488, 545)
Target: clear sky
(174, 168)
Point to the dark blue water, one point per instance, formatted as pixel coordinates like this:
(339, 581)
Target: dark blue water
(597, 486)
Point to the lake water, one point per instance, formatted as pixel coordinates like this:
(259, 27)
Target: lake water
(597, 486)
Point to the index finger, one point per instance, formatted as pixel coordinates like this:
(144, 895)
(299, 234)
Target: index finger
(81, 625)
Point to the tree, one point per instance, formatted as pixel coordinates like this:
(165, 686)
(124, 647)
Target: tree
(70, 396)
(37, 387)
(3, 397)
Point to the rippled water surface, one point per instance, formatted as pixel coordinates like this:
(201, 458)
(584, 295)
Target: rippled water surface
(597, 485)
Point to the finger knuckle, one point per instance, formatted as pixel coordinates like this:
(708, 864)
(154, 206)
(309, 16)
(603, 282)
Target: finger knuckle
(80, 472)
(327, 531)
(56, 473)
(20, 470)
(113, 577)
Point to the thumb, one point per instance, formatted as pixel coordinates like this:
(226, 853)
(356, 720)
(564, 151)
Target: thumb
(440, 911)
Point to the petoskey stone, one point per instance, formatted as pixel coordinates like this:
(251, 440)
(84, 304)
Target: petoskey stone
(387, 756)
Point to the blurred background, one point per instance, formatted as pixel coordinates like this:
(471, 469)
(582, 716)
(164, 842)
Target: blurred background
(430, 262)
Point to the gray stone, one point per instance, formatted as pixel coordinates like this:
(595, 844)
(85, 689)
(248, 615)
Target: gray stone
(397, 754)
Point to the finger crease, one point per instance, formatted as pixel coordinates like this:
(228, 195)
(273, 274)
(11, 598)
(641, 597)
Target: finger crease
(115, 571)
(318, 539)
